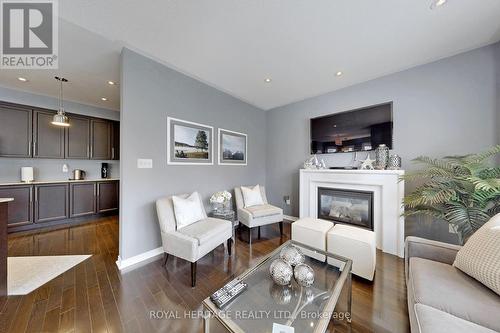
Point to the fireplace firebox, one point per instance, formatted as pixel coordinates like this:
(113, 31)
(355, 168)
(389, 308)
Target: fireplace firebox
(346, 206)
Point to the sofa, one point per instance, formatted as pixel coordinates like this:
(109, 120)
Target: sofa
(442, 298)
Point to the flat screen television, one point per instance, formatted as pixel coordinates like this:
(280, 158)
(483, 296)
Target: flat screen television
(357, 130)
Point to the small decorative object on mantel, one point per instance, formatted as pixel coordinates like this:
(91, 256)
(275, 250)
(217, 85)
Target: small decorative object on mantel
(304, 275)
(367, 164)
(314, 163)
(394, 162)
(281, 272)
(381, 157)
(221, 201)
(292, 255)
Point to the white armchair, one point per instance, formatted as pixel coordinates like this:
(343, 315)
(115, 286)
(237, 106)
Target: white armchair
(193, 241)
(258, 215)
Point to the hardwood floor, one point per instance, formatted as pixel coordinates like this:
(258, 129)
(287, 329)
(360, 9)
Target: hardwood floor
(95, 297)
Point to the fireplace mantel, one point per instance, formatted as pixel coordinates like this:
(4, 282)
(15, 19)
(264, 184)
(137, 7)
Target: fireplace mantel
(388, 193)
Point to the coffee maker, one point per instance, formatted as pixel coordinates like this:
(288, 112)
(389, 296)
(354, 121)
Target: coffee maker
(104, 170)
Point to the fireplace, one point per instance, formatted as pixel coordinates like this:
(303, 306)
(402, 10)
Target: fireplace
(346, 206)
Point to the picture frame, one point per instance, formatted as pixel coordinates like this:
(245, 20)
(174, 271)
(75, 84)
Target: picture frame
(189, 143)
(232, 147)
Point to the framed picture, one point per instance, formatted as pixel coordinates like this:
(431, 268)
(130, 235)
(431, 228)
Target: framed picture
(189, 143)
(232, 148)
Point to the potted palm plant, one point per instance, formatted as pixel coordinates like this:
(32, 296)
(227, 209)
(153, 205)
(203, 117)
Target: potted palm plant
(462, 190)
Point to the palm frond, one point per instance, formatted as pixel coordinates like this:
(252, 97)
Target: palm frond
(477, 158)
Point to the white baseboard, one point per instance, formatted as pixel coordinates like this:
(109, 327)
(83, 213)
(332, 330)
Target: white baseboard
(290, 218)
(139, 259)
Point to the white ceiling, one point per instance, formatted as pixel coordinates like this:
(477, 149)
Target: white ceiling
(234, 45)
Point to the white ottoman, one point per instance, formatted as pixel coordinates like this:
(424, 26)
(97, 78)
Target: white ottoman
(356, 244)
(311, 232)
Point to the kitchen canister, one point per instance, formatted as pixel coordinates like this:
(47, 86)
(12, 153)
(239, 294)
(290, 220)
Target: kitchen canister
(381, 157)
(394, 162)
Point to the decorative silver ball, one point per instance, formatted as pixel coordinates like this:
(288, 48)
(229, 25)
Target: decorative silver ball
(281, 272)
(292, 255)
(304, 275)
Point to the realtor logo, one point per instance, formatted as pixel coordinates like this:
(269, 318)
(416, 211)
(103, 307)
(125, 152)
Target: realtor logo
(29, 34)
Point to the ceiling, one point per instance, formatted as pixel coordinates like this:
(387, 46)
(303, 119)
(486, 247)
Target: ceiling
(235, 45)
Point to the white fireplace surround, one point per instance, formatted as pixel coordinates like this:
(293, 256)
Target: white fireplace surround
(388, 193)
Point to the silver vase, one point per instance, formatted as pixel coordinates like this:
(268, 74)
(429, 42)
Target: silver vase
(394, 162)
(381, 157)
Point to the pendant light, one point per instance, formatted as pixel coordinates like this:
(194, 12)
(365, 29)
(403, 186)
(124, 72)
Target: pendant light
(60, 118)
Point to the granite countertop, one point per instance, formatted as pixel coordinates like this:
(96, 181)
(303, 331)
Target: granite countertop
(39, 182)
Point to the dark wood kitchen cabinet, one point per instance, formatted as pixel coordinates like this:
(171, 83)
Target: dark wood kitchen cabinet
(115, 144)
(21, 209)
(51, 202)
(48, 139)
(100, 139)
(107, 196)
(78, 138)
(4, 208)
(15, 131)
(82, 199)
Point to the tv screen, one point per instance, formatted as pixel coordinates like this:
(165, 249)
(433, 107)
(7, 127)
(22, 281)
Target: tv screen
(358, 130)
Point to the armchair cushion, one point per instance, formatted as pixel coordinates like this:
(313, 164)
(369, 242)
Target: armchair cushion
(206, 229)
(252, 196)
(187, 210)
(263, 210)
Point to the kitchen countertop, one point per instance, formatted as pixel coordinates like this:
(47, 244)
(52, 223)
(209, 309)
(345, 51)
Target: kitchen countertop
(2, 200)
(40, 182)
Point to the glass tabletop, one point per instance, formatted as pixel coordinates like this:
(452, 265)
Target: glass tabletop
(307, 309)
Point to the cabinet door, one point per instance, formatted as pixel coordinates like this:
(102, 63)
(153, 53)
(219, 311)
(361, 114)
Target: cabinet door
(78, 138)
(51, 202)
(100, 146)
(21, 209)
(48, 139)
(115, 148)
(107, 196)
(15, 131)
(82, 199)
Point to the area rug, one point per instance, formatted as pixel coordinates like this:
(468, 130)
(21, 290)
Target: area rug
(25, 274)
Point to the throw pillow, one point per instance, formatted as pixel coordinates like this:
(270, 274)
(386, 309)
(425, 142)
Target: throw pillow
(252, 196)
(480, 256)
(187, 210)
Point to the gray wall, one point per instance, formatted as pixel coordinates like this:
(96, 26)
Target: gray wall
(443, 108)
(149, 93)
(51, 169)
(497, 58)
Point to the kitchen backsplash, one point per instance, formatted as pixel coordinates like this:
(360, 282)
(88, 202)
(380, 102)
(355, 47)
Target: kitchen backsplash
(51, 169)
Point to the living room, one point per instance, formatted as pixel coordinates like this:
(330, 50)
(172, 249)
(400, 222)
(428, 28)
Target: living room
(255, 167)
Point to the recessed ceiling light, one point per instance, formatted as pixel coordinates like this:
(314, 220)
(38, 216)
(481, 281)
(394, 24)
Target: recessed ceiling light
(111, 83)
(437, 3)
(104, 99)
(339, 73)
(23, 79)
(267, 80)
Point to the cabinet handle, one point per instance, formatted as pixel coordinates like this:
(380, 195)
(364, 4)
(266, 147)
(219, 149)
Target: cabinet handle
(91, 152)
(36, 195)
(31, 196)
(88, 150)
(34, 147)
(29, 149)
(113, 153)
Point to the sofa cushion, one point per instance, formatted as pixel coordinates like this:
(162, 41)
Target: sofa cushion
(433, 320)
(264, 210)
(480, 256)
(445, 288)
(206, 229)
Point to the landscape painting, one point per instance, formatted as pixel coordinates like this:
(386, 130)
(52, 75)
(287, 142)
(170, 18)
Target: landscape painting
(232, 147)
(188, 142)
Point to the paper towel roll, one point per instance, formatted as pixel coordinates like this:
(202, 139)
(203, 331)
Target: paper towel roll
(27, 174)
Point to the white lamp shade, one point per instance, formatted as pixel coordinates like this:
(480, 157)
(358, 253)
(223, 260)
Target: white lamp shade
(27, 174)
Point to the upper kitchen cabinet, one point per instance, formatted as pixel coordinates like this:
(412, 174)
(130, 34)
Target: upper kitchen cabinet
(15, 131)
(78, 138)
(48, 139)
(115, 148)
(100, 139)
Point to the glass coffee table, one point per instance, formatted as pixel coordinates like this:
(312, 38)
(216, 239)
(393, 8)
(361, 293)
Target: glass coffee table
(264, 303)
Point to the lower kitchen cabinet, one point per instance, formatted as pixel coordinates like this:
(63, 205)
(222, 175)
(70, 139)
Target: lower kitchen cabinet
(51, 202)
(21, 209)
(82, 199)
(107, 196)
